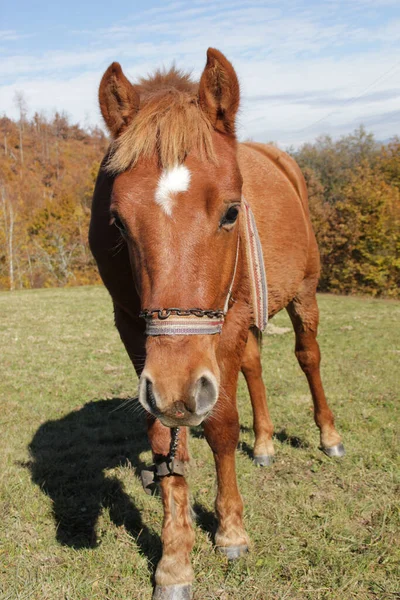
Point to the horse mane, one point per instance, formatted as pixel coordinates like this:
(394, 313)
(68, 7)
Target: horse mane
(169, 124)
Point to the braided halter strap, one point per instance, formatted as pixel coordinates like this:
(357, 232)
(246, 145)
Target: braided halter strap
(197, 321)
(176, 321)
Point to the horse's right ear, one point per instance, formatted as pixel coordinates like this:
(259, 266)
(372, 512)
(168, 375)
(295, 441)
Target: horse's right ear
(119, 101)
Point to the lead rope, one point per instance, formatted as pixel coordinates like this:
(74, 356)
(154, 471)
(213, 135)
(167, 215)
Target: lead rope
(175, 431)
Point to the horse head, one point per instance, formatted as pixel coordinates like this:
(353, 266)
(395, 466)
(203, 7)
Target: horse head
(176, 199)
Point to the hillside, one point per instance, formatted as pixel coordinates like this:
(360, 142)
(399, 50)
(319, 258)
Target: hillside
(47, 173)
(48, 169)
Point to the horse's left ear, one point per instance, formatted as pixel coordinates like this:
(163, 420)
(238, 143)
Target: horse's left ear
(219, 92)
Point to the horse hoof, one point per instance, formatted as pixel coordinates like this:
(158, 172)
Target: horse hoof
(233, 552)
(264, 460)
(173, 592)
(337, 450)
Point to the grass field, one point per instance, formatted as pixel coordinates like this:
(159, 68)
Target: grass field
(75, 523)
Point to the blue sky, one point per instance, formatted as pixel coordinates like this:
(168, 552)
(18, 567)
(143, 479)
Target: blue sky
(305, 67)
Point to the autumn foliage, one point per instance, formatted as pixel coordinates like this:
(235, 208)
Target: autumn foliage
(48, 169)
(354, 195)
(361, 252)
(47, 173)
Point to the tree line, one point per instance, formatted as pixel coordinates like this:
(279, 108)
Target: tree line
(48, 167)
(47, 172)
(354, 196)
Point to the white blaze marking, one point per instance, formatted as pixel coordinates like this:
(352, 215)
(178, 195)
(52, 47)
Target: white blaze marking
(171, 181)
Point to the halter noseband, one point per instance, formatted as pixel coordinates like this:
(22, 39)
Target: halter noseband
(179, 321)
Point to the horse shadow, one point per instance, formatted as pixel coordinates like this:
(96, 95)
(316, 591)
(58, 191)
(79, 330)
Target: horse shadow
(291, 440)
(69, 460)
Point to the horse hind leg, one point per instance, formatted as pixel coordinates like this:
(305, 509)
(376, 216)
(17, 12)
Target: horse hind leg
(262, 424)
(304, 314)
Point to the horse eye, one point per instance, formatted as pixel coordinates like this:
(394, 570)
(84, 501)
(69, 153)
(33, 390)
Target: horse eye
(230, 216)
(118, 223)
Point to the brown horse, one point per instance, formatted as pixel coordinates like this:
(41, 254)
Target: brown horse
(166, 232)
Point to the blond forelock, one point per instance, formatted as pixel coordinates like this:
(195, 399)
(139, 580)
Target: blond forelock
(169, 124)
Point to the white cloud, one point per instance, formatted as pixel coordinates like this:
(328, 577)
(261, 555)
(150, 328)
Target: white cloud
(10, 35)
(300, 71)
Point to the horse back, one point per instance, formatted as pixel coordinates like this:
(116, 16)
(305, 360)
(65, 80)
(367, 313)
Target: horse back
(276, 190)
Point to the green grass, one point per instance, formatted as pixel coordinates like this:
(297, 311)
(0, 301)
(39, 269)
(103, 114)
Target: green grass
(75, 523)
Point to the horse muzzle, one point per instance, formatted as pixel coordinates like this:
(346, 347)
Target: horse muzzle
(176, 409)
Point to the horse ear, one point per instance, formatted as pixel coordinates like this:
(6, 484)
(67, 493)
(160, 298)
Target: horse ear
(119, 101)
(219, 92)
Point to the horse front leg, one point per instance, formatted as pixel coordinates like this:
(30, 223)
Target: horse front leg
(222, 433)
(174, 573)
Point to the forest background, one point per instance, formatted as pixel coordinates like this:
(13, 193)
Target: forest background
(48, 168)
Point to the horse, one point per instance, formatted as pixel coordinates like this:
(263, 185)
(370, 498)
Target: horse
(167, 235)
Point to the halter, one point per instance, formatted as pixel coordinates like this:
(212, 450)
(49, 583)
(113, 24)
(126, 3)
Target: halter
(188, 321)
(200, 321)
(196, 321)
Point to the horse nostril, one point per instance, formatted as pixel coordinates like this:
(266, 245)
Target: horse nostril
(192, 404)
(150, 397)
(206, 394)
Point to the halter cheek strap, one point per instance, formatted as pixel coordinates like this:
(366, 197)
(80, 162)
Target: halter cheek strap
(256, 269)
(197, 321)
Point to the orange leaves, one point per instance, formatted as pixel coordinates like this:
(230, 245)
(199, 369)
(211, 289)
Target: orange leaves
(50, 194)
(354, 191)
